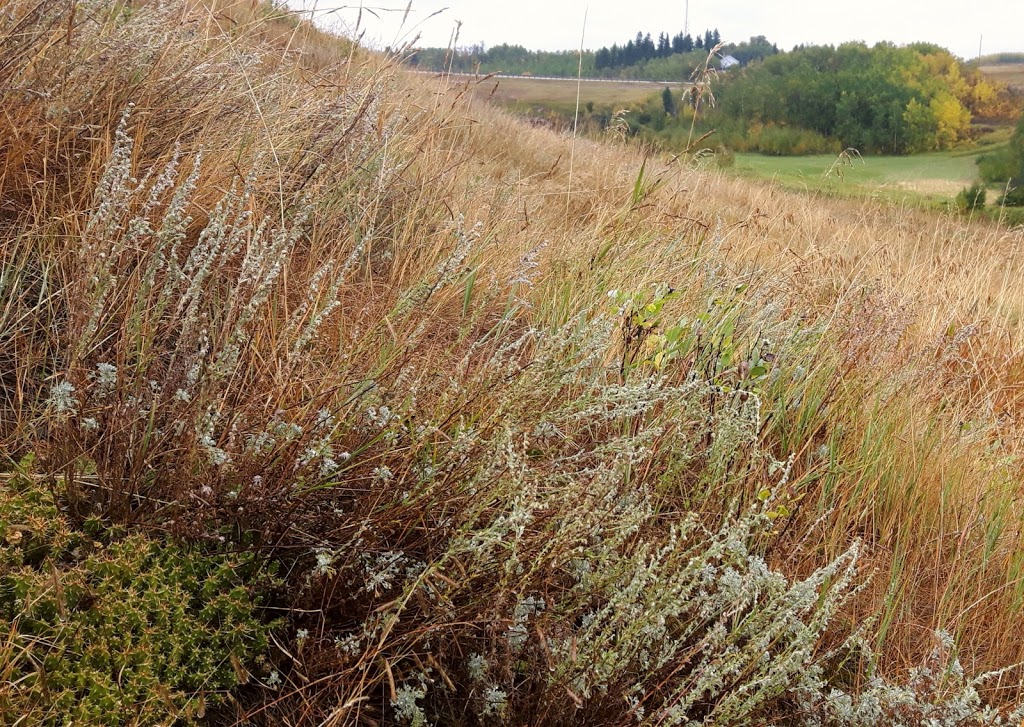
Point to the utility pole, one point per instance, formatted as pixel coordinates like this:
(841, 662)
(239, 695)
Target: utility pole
(980, 38)
(686, 19)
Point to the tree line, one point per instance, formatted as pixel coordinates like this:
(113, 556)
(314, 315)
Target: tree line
(1006, 168)
(504, 58)
(821, 99)
(640, 58)
(644, 48)
(881, 99)
(884, 98)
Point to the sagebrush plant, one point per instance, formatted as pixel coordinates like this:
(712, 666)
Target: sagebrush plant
(938, 692)
(627, 455)
(598, 589)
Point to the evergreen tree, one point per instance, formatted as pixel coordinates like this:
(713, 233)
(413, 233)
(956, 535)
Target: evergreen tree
(668, 102)
(709, 40)
(649, 50)
(698, 44)
(664, 46)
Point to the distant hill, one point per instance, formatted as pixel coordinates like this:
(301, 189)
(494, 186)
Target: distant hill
(1010, 73)
(996, 59)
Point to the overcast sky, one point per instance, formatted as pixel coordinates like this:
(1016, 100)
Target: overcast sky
(558, 24)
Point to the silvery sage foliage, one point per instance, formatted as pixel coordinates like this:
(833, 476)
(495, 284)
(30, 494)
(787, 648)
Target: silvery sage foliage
(162, 318)
(610, 597)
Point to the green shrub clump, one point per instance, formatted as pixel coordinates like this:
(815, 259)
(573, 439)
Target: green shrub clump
(972, 198)
(725, 158)
(108, 630)
(788, 141)
(1014, 197)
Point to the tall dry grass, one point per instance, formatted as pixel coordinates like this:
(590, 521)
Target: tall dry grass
(667, 446)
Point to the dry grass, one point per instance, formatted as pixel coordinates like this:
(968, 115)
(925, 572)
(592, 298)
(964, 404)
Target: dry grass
(561, 93)
(924, 311)
(1012, 74)
(470, 291)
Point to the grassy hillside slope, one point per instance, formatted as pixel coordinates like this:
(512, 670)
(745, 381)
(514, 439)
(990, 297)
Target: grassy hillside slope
(1012, 74)
(508, 428)
(561, 94)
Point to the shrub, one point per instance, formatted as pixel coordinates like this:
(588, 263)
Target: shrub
(725, 158)
(109, 630)
(937, 692)
(549, 561)
(1014, 197)
(971, 198)
(995, 167)
(788, 141)
(1007, 164)
(1011, 216)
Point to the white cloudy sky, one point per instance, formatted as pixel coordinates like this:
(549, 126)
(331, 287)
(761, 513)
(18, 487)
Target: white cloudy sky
(557, 24)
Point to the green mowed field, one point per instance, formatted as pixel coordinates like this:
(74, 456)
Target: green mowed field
(936, 176)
